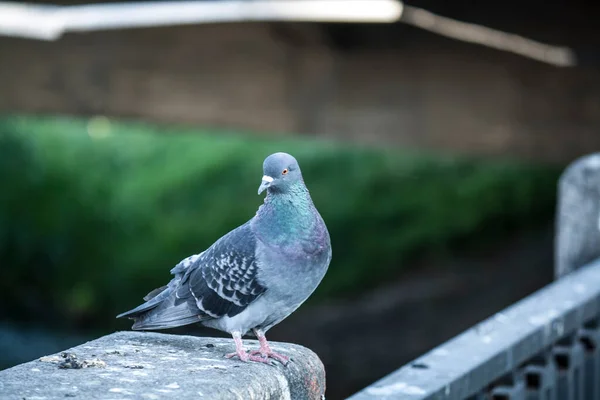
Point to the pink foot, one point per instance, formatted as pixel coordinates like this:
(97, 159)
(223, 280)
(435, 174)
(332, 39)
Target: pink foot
(249, 357)
(265, 350)
(265, 354)
(262, 355)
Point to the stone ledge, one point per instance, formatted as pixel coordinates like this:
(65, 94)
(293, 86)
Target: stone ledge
(145, 365)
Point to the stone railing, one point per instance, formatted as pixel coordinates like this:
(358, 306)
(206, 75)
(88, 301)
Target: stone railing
(134, 365)
(546, 346)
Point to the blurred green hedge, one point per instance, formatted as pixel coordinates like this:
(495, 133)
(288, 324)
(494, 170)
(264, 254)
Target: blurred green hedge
(94, 213)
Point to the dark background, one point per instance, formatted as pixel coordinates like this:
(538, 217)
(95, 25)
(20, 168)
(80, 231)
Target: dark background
(433, 162)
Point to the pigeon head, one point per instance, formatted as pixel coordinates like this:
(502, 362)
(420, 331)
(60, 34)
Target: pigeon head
(280, 172)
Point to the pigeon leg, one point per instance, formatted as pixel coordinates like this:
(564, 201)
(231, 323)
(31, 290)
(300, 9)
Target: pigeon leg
(265, 350)
(241, 352)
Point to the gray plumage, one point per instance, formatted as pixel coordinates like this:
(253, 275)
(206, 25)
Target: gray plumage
(257, 274)
(578, 215)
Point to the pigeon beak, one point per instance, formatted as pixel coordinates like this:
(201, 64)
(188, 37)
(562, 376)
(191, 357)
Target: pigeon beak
(266, 182)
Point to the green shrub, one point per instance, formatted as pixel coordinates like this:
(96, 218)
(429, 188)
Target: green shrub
(94, 214)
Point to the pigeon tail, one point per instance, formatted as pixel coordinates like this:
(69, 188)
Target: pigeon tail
(153, 299)
(166, 316)
(163, 310)
(155, 292)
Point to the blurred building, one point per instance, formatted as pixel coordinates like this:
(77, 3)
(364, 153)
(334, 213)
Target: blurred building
(371, 83)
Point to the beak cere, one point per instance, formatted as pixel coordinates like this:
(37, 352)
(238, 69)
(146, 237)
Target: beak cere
(266, 182)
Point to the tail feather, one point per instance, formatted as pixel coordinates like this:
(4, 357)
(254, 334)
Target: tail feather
(155, 292)
(151, 303)
(167, 315)
(162, 312)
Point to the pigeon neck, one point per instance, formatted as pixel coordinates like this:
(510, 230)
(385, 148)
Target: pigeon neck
(295, 201)
(289, 213)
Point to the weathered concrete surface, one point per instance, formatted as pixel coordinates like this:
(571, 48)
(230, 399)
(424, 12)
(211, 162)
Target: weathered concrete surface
(143, 365)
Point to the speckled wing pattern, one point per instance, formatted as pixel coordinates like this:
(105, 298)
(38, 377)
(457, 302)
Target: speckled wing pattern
(222, 281)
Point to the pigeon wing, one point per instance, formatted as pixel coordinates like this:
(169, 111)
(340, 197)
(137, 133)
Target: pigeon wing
(223, 280)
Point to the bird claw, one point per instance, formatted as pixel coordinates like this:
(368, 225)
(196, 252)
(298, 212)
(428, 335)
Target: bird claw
(245, 357)
(271, 354)
(263, 355)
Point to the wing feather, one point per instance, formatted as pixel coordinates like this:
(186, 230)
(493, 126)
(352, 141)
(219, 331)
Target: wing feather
(223, 280)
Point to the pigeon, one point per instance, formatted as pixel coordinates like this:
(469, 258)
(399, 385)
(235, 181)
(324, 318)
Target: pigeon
(254, 276)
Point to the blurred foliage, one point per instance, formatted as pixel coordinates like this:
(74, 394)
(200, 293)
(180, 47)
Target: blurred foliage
(93, 214)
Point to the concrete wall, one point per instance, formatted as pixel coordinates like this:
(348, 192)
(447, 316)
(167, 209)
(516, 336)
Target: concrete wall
(149, 365)
(284, 78)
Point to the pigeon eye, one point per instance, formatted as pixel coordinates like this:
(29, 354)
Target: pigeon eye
(284, 172)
